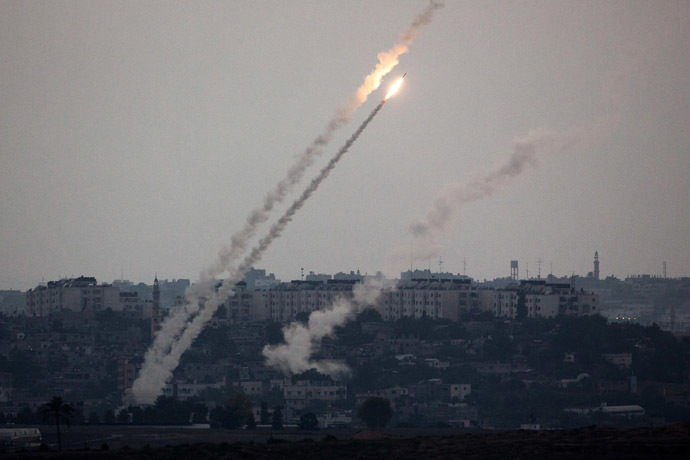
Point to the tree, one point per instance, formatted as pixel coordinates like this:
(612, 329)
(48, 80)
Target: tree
(25, 416)
(170, 411)
(375, 412)
(521, 312)
(61, 411)
(264, 413)
(251, 422)
(303, 317)
(274, 333)
(137, 415)
(308, 421)
(234, 414)
(109, 417)
(369, 315)
(123, 417)
(277, 419)
(200, 411)
(25, 371)
(312, 375)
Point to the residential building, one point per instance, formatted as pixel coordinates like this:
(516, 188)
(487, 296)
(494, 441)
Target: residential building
(76, 294)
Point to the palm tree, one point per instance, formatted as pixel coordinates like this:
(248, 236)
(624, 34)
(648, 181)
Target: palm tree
(62, 412)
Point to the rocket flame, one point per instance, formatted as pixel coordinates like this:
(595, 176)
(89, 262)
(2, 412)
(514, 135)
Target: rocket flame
(394, 87)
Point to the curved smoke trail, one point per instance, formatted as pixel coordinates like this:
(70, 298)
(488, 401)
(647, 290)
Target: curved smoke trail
(158, 369)
(174, 324)
(428, 231)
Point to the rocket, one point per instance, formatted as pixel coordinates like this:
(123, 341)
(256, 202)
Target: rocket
(394, 87)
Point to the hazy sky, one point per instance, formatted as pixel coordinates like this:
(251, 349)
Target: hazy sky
(137, 136)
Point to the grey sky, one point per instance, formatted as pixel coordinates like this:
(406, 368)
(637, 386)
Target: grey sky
(138, 135)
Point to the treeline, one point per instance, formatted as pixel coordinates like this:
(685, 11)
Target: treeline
(165, 411)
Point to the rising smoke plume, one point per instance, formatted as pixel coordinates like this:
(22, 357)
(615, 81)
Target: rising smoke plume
(173, 326)
(294, 356)
(160, 362)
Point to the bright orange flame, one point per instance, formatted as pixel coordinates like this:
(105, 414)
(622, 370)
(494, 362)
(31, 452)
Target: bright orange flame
(394, 87)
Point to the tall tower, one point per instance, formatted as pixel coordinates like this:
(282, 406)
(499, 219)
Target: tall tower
(156, 316)
(514, 269)
(596, 265)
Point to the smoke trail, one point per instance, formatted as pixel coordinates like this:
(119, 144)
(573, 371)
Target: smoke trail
(429, 230)
(161, 361)
(301, 341)
(172, 327)
(387, 62)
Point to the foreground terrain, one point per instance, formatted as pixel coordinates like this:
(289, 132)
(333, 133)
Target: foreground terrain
(589, 442)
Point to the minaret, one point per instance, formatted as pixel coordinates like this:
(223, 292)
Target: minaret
(596, 265)
(156, 316)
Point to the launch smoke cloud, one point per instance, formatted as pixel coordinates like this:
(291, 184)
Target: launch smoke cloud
(301, 341)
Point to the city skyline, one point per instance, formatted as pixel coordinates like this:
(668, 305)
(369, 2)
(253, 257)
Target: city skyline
(137, 139)
(524, 272)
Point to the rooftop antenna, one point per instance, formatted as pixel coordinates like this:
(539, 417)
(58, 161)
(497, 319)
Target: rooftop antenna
(551, 268)
(440, 264)
(539, 268)
(302, 269)
(664, 269)
(527, 270)
(464, 265)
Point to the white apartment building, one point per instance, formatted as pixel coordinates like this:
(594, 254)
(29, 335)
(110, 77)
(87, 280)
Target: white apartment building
(76, 294)
(542, 299)
(431, 298)
(283, 302)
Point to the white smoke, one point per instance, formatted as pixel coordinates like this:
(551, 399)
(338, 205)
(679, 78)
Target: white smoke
(294, 356)
(367, 294)
(387, 62)
(429, 230)
(163, 357)
(159, 357)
